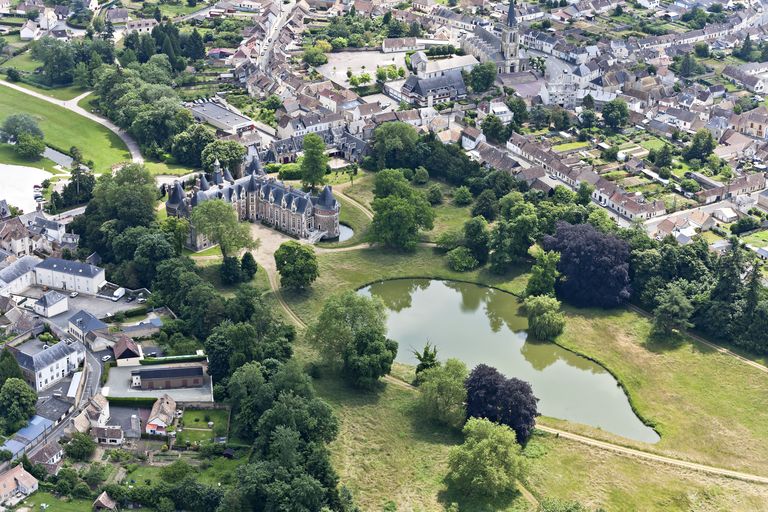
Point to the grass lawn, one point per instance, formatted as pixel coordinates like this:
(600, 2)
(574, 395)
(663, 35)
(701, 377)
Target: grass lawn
(758, 239)
(448, 217)
(196, 417)
(352, 269)
(143, 473)
(194, 436)
(64, 129)
(167, 168)
(210, 251)
(60, 93)
(220, 471)
(652, 143)
(9, 156)
(23, 62)
(56, 504)
(355, 219)
(570, 146)
(707, 406)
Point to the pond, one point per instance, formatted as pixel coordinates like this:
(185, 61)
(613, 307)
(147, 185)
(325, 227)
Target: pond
(345, 232)
(477, 325)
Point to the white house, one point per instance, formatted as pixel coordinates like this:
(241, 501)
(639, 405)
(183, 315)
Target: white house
(43, 365)
(70, 276)
(16, 480)
(48, 19)
(51, 304)
(18, 276)
(82, 323)
(30, 31)
(110, 435)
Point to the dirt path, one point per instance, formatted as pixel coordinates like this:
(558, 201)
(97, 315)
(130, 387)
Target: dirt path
(72, 105)
(341, 188)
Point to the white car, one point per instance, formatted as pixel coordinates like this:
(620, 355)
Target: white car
(106, 358)
(73, 295)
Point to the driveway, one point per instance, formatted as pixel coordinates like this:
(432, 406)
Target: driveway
(119, 384)
(97, 306)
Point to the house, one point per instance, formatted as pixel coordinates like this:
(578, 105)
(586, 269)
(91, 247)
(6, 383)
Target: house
(118, 15)
(16, 238)
(47, 19)
(95, 414)
(5, 6)
(18, 276)
(30, 31)
(401, 44)
(109, 435)
(82, 324)
(104, 502)
(168, 377)
(70, 276)
(16, 481)
(43, 365)
(726, 215)
(426, 92)
(143, 26)
(49, 456)
(471, 138)
(127, 352)
(52, 303)
(161, 416)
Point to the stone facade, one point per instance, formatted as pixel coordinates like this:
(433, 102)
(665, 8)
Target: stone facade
(259, 198)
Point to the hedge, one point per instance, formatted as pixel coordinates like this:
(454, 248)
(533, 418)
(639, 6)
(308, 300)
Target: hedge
(172, 359)
(137, 311)
(132, 401)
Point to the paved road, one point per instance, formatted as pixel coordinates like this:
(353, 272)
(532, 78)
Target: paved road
(72, 105)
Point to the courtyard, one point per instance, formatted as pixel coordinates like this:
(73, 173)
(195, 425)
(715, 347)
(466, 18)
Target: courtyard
(358, 62)
(119, 385)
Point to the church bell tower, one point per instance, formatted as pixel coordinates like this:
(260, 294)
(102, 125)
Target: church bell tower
(510, 41)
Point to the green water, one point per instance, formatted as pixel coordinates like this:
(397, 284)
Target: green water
(481, 325)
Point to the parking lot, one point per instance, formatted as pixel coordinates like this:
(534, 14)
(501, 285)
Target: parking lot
(99, 307)
(119, 384)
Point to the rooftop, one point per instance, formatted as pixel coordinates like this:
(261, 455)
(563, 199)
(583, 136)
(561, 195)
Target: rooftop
(74, 268)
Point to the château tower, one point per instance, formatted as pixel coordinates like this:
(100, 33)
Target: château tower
(510, 41)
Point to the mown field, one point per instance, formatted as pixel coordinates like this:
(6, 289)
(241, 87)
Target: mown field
(708, 407)
(64, 129)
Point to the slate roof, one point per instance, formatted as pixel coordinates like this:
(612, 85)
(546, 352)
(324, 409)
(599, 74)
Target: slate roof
(169, 373)
(425, 87)
(74, 268)
(5, 210)
(86, 322)
(18, 268)
(50, 298)
(44, 358)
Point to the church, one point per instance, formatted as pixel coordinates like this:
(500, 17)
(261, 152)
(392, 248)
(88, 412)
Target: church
(500, 46)
(257, 197)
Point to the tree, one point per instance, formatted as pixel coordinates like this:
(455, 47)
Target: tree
(544, 274)
(81, 447)
(420, 176)
(482, 76)
(230, 271)
(297, 265)
(394, 145)
(663, 157)
(673, 311)
(507, 401)
(229, 153)
(368, 358)
(29, 146)
(187, 147)
(442, 393)
(588, 102)
(588, 119)
(9, 368)
(494, 129)
(615, 114)
(195, 48)
(702, 145)
(689, 66)
(427, 359)
(462, 196)
(518, 108)
(486, 205)
(702, 50)
(218, 221)
(461, 259)
(341, 320)
(398, 219)
(489, 463)
(745, 52)
(177, 230)
(477, 238)
(315, 161)
(13, 74)
(17, 400)
(248, 266)
(16, 125)
(539, 116)
(545, 322)
(314, 56)
(594, 266)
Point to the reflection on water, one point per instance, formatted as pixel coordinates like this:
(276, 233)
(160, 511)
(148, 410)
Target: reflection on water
(481, 325)
(345, 233)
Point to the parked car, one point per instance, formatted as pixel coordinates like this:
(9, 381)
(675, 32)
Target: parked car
(106, 358)
(73, 295)
(130, 299)
(141, 300)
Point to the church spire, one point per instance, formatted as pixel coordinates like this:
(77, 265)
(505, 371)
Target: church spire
(511, 17)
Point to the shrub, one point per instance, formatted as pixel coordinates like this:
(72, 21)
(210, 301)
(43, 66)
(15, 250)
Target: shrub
(434, 195)
(450, 240)
(290, 172)
(420, 176)
(460, 259)
(462, 196)
(545, 322)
